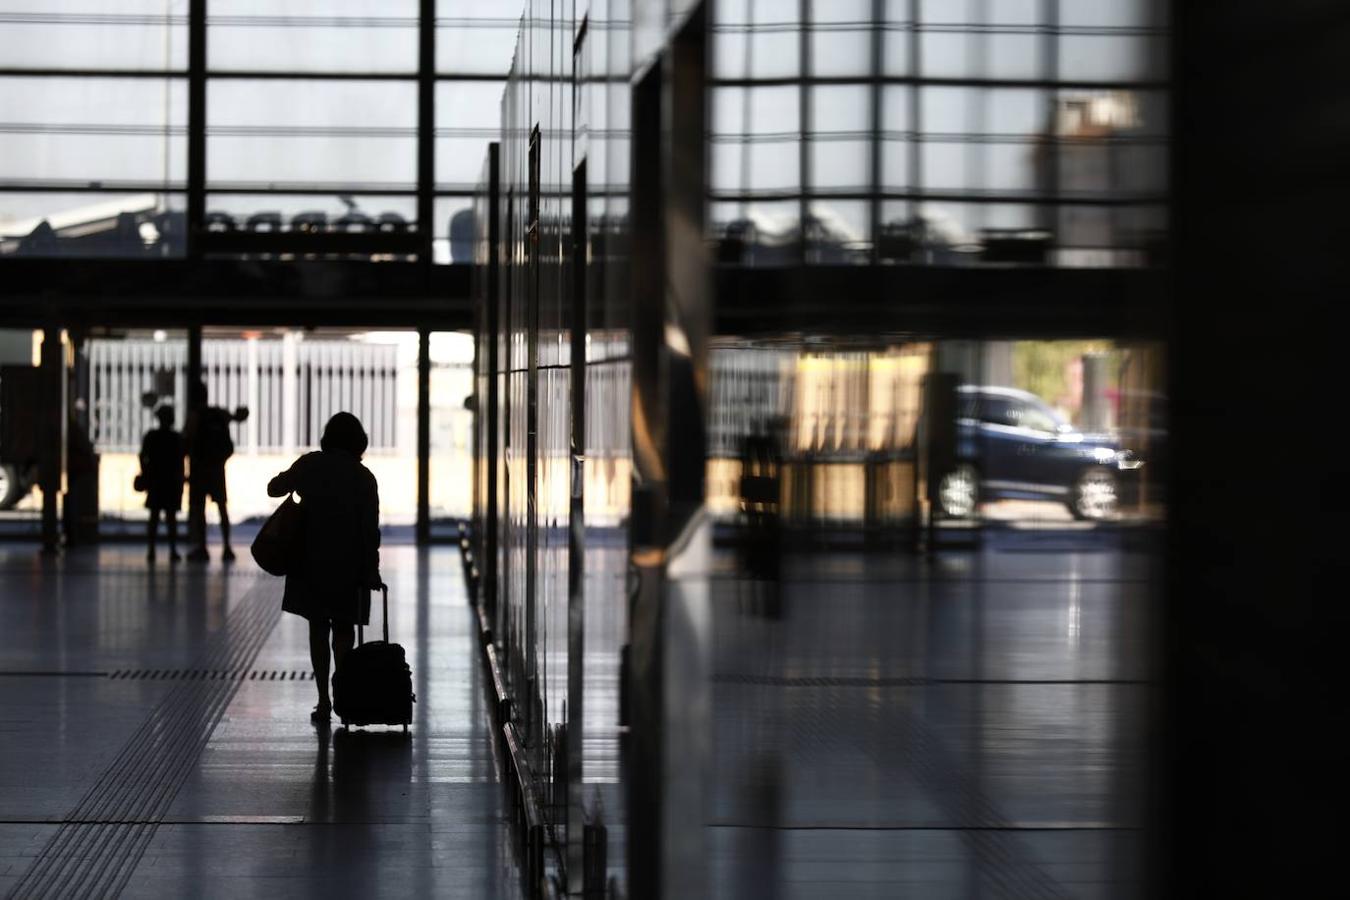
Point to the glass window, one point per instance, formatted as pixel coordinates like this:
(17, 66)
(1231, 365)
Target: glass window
(302, 36)
(996, 411)
(468, 118)
(92, 224)
(841, 137)
(841, 37)
(840, 231)
(1029, 415)
(758, 233)
(294, 133)
(310, 212)
(993, 111)
(756, 40)
(756, 138)
(476, 36)
(93, 131)
(895, 40)
(841, 52)
(453, 230)
(86, 34)
(1111, 57)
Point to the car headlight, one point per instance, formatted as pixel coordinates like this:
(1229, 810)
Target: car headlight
(1125, 459)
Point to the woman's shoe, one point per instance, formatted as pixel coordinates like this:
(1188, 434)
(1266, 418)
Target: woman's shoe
(322, 713)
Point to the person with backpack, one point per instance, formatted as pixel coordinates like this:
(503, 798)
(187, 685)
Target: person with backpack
(207, 436)
(161, 478)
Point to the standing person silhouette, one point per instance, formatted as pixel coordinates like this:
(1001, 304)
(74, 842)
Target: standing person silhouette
(162, 451)
(338, 562)
(209, 445)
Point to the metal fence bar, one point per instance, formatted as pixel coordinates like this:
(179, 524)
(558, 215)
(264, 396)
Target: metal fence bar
(330, 376)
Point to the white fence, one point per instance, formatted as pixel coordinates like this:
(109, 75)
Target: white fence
(290, 387)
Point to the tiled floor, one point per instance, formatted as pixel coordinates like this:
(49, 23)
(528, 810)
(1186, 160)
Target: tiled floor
(122, 769)
(967, 727)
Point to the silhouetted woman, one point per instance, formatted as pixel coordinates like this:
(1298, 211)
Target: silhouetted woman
(162, 452)
(330, 583)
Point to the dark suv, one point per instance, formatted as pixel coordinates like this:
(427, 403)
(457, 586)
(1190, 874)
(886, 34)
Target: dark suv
(1012, 445)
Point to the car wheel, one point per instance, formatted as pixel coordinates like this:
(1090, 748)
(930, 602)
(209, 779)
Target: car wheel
(1095, 495)
(959, 492)
(11, 488)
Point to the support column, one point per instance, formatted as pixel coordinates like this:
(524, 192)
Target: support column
(81, 508)
(423, 436)
(196, 126)
(196, 524)
(426, 131)
(668, 667)
(52, 379)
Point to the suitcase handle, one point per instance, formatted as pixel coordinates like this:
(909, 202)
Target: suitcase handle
(360, 630)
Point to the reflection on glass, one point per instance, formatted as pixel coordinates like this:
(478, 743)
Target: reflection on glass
(305, 133)
(92, 224)
(298, 36)
(61, 34)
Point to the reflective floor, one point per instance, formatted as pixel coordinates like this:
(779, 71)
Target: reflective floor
(156, 740)
(883, 727)
(887, 727)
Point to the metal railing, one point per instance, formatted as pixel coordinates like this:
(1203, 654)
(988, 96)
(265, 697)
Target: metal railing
(290, 387)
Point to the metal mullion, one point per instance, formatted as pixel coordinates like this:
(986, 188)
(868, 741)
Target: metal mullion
(915, 174)
(20, 72)
(426, 127)
(86, 187)
(946, 197)
(196, 120)
(329, 190)
(1050, 64)
(874, 203)
(805, 123)
(477, 76)
(938, 81)
(292, 75)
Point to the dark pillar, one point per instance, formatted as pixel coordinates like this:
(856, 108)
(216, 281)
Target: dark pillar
(668, 676)
(426, 129)
(196, 123)
(196, 525)
(1254, 624)
(52, 378)
(80, 510)
(423, 436)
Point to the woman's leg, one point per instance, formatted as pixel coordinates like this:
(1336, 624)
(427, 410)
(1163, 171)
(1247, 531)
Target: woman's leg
(344, 636)
(318, 656)
(171, 525)
(151, 527)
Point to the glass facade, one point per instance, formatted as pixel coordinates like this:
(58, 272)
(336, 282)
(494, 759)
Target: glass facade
(313, 122)
(957, 132)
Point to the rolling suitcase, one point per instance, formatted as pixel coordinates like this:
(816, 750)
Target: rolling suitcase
(374, 684)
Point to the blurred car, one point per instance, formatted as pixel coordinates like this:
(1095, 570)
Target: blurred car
(1012, 445)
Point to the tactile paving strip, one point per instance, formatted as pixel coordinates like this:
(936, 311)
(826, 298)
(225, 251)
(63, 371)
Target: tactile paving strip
(211, 675)
(105, 835)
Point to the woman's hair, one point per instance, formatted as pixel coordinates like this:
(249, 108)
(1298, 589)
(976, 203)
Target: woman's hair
(344, 432)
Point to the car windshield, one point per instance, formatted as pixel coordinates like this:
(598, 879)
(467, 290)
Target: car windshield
(1019, 413)
(1038, 418)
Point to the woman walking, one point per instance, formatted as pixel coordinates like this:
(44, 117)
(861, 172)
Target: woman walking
(338, 562)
